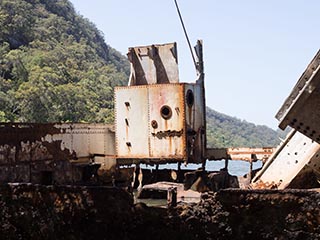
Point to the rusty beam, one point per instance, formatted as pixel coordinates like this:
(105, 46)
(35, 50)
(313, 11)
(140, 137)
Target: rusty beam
(244, 154)
(301, 109)
(290, 158)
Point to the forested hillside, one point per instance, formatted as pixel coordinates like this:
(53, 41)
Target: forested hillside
(56, 67)
(226, 131)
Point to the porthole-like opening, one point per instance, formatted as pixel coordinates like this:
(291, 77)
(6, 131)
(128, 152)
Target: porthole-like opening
(166, 112)
(190, 98)
(154, 124)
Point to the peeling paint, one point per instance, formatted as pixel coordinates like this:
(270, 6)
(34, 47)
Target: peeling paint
(53, 153)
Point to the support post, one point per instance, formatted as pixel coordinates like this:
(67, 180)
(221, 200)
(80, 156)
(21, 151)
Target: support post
(172, 197)
(250, 171)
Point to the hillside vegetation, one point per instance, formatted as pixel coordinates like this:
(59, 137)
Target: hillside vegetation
(226, 131)
(56, 67)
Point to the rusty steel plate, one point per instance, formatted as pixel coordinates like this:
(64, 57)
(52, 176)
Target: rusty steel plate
(288, 161)
(301, 110)
(154, 64)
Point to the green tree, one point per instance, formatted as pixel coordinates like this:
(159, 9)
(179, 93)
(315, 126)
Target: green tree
(55, 65)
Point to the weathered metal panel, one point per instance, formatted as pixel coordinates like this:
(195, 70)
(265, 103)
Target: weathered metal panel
(131, 105)
(195, 122)
(76, 139)
(301, 108)
(169, 126)
(171, 119)
(150, 122)
(109, 142)
(287, 161)
(97, 139)
(167, 121)
(82, 140)
(41, 152)
(194, 106)
(153, 64)
(24, 142)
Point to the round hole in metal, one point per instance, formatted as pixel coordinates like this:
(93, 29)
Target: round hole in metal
(154, 124)
(190, 98)
(166, 112)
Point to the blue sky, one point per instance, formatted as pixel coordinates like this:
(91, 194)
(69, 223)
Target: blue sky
(254, 51)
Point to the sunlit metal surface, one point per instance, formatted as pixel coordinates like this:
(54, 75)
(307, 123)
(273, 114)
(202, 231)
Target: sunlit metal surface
(301, 108)
(159, 122)
(154, 64)
(243, 154)
(157, 118)
(288, 161)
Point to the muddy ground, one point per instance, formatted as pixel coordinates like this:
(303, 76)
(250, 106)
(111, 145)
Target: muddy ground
(68, 212)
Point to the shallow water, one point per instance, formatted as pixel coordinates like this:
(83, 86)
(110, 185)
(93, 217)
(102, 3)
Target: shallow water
(237, 168)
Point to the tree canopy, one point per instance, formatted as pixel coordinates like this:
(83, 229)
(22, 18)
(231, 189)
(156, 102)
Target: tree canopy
(226, 131)
(55, 65)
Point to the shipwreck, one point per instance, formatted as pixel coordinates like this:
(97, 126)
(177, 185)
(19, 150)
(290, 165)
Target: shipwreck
(75, 167)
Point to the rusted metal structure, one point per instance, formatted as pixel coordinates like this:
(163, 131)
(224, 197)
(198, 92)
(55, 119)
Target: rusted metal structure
(158, 119)
(301, 109)
(154, 64)
(240, 153)
(299, 154)
(54, 153)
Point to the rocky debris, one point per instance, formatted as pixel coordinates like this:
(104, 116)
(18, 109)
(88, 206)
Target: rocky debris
(254, 214)
(68, 212)
(63, 212)
(235, 214)
(264, 185)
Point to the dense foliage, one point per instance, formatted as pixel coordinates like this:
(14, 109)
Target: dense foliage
(226, 131)
(55, 65)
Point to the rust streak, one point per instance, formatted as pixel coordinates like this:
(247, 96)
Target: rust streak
(168, 133)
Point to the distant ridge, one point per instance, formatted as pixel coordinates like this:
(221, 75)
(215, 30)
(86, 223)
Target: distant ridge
(226, 131)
